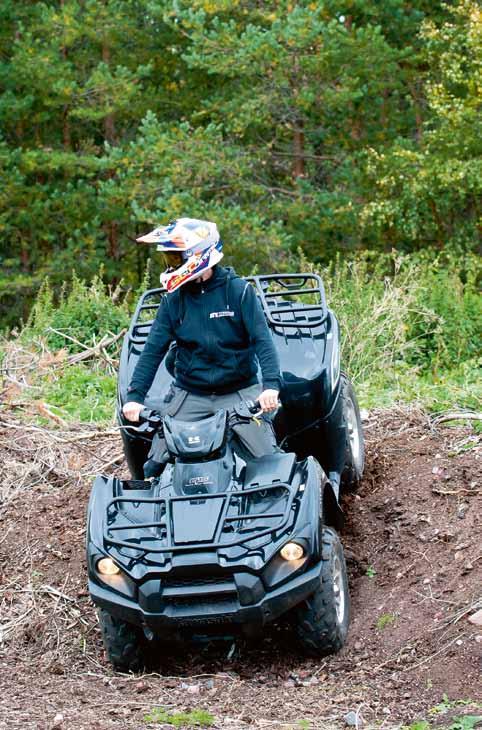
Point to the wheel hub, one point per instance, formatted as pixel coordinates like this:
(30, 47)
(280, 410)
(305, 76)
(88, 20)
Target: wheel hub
(353, 432)
(339, 590)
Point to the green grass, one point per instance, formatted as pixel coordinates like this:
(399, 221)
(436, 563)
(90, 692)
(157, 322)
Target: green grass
(79, 393)
(410, 331)
(458, 722)
(193, 719)
(386, 619)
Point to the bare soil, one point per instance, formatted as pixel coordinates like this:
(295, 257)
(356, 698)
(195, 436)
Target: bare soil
(414, 551)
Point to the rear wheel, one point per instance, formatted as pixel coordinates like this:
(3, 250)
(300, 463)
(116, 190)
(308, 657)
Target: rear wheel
(355, 445)
(323, 619)
(124, 644)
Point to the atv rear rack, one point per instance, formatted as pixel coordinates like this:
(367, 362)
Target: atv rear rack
(140, 327)
(272, 289)
(309, 311)
(165, 524)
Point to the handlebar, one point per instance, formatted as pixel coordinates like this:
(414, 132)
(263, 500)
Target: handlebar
(254, 407)
(152, 420)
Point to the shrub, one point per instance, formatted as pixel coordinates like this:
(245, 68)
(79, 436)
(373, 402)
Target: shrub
(81, 317)
(410, 326)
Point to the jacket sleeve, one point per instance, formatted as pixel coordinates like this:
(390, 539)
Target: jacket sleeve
(260, 336)
(157, 344)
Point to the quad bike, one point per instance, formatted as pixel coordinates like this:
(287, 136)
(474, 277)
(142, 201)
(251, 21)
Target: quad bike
(220, 544)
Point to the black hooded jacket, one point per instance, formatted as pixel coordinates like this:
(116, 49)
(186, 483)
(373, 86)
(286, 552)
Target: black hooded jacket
(219, 327)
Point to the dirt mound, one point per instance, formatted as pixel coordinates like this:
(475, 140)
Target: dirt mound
(412, 541)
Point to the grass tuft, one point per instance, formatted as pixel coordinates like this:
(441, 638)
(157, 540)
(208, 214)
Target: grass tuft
(193, 719)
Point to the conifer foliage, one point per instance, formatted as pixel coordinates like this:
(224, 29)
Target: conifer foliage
(326, 126)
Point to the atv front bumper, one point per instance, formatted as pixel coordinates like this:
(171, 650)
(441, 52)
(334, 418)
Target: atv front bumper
(180, 607)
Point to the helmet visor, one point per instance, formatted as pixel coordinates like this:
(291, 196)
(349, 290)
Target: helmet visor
(173, 259)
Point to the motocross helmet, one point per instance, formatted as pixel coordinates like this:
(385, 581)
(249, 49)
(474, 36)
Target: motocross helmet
(188, 246)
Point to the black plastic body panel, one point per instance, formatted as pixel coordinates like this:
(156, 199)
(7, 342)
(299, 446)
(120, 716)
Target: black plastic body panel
(215, 562)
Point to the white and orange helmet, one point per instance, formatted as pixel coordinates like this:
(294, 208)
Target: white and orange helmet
(188, 246)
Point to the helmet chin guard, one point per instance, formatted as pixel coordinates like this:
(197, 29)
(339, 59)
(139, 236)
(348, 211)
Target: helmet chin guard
(196, 264)
(197, 240)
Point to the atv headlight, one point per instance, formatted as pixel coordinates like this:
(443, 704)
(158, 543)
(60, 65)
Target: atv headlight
(106, 566)
(292, 551)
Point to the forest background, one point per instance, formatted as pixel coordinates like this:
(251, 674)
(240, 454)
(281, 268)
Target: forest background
(342, 136)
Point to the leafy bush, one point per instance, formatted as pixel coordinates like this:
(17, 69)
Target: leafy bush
(81, 317)
(410, 331)
(374, 299)
(410, 326)
(447, 287)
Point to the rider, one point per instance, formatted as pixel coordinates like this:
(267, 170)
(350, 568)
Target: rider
(218, 325)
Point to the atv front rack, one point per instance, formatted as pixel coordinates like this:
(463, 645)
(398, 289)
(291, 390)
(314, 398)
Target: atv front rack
(158, 536)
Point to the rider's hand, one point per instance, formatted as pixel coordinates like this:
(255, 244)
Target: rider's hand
(131, 411)
(268, 400)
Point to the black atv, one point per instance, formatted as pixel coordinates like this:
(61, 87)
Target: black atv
(218, 544)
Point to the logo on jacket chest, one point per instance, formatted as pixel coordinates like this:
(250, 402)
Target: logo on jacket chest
(225, 313)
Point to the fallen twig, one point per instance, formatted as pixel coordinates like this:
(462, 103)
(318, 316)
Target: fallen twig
(44, 410)
(457, 416)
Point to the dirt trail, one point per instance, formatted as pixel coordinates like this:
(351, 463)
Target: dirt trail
(415, 557)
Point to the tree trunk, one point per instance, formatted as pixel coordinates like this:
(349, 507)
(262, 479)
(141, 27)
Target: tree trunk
(417, 112)
(111, 228)
(298, 150)
(109, 122)
(66, 136)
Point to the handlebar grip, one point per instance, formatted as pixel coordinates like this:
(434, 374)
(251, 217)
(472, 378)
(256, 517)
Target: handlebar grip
(253, 406)
(145, 415)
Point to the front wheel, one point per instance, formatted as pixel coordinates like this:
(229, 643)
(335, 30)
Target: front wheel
(323, 619)
(124, 644)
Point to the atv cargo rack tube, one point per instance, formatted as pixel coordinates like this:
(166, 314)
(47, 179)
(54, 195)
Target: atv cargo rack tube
(223, 521)
(140, 327)
(273, 289)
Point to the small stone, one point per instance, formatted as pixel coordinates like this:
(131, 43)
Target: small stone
(476, 618)
(141, 687)
(478, 638)
(58, 720)
(459, 642)
(193, 689)
(353, 719)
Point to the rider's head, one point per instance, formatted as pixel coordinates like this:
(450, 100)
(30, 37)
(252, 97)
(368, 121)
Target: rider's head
(189, 248)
